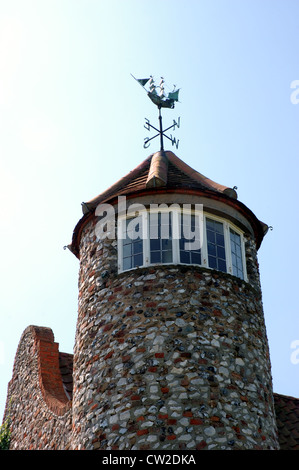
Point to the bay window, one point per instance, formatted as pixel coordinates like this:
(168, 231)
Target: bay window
(176, 237)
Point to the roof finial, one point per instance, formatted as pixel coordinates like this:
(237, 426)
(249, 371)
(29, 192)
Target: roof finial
(162, 101)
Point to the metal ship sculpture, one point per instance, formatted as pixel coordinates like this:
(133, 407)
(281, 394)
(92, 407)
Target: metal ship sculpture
(157, 93)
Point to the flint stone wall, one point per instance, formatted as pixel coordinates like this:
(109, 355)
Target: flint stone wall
(37, 405)
(169, 357)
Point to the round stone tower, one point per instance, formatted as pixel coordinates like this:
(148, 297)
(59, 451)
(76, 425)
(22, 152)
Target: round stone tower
(171, 349)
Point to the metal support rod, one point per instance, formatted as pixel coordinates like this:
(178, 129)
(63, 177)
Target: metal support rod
(161, 130)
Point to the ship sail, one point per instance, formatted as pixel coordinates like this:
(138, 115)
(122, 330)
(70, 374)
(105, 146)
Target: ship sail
(174, 95)
(160, 100)
(142, 81)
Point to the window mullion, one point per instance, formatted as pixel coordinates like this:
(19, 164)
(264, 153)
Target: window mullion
(204, 249)
(121, 222)
(146, 239)
(175, 239)
(243, 258)
(228, 252)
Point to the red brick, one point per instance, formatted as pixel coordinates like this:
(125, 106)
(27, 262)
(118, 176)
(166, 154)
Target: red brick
(135, 397)
(107, 327)
(120, 333)
(117, 289)
(141, 432)
(159, 355)
(126, 358)
(196, 421)
(244, 398)
(184, 382)
(110, 354)
(217, 312)
(177, 359)
(215, 418)
(201, 445)
(186, 354)
(171, 421)
(160, 416)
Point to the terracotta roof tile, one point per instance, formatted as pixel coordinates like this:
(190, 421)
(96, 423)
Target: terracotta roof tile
(165, 171)
(287, 418)
(160, 169)
(66, 370)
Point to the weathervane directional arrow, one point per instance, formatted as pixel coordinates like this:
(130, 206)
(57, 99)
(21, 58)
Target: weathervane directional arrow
(162, 101)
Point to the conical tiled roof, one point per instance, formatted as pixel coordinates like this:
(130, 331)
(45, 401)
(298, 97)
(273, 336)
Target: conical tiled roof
(162, 169)
(165, 172)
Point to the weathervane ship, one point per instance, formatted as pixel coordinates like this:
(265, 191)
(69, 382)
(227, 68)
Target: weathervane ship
(161, 100)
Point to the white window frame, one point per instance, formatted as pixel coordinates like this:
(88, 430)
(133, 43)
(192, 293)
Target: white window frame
(175, 241)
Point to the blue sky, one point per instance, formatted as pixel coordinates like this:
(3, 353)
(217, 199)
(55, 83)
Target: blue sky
(71, 124)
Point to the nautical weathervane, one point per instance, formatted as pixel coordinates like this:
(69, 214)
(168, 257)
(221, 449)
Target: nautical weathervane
(162, 101)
